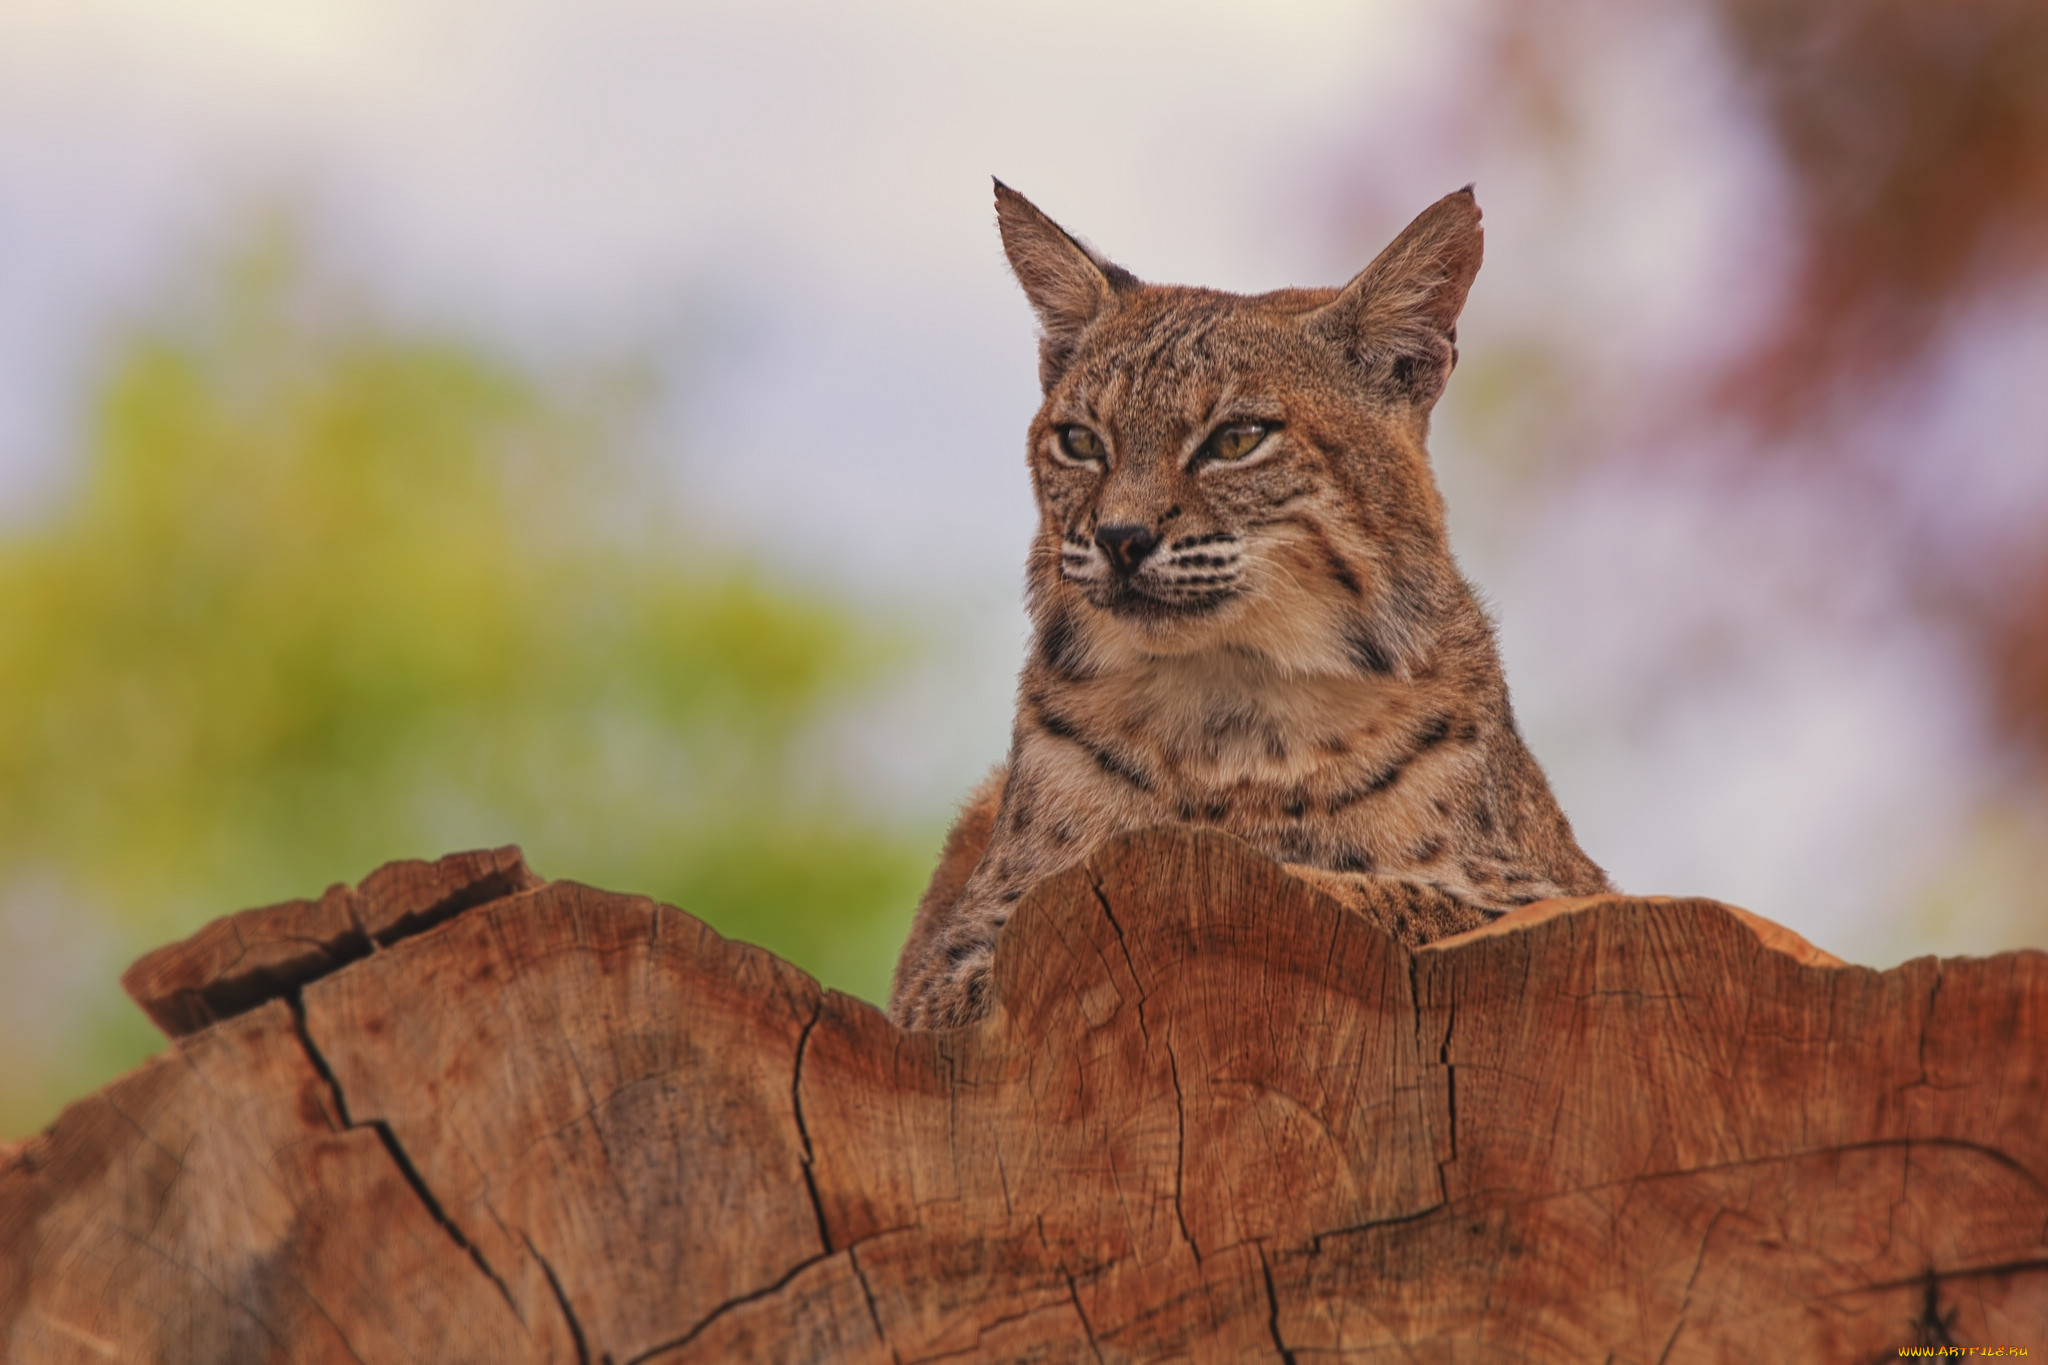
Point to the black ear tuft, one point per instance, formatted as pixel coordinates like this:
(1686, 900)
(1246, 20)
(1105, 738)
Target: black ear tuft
(1069, 286)
(1397, 321)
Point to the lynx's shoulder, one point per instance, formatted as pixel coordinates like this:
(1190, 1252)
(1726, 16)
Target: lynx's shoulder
(1246, 614)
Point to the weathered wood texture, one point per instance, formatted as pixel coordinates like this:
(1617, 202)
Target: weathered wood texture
(1213, 1117)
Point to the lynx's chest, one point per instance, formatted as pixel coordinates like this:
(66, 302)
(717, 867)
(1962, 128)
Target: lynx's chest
(1199, 734)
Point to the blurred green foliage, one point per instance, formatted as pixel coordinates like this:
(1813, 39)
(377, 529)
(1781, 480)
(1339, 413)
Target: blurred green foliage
(329, 594)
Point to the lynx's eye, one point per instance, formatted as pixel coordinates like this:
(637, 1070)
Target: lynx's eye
(1081, 445)
(1235, 441)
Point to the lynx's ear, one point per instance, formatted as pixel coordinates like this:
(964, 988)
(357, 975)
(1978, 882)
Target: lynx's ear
(1069, 285)
(1397, 321)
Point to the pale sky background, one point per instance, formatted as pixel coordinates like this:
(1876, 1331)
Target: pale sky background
(789, 203)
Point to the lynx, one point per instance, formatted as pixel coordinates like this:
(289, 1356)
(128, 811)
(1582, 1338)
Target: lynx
(1245, 611)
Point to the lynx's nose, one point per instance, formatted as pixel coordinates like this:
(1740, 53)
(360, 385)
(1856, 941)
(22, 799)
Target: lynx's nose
(1126, 545)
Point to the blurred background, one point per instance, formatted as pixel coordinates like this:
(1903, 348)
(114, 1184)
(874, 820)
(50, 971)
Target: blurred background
(598, 426)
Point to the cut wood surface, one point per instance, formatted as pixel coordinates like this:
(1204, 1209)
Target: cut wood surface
(458, 1113)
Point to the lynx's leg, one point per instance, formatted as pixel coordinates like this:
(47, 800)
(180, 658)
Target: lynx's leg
(946, 983)
(965, 843)
(1413, 912)
(932, 971)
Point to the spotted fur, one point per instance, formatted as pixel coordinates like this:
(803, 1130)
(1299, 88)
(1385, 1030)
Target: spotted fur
(1272, 640)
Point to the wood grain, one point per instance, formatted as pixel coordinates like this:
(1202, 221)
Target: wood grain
(1213, 1116)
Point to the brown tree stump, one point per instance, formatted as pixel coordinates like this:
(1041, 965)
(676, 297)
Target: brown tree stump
(461, 1114)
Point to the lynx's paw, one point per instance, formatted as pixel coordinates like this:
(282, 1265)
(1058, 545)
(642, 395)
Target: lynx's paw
(950, 987)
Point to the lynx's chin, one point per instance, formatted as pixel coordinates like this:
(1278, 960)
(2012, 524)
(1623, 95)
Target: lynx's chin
(1134, 604)
(1137, 627)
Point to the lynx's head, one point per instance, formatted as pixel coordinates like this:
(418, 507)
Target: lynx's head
(1243, 473)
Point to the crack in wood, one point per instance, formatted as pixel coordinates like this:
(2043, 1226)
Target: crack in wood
(1443, 1055)
(1927, 1022)
(1315, 1241)
(796, 1102)
(1966, 1272)
(1935, 1328)
(1685, 1304)
(562, 1301)
(874, 1312)
(1180, 1151)
(1443, 1179)
(1272, 1306)
(982, 1330)
(1992, 1154)
(739, 1301)
(1074, 1293)
(399, 1158)
(210, 976)
(1130, 964)
(495, 885)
